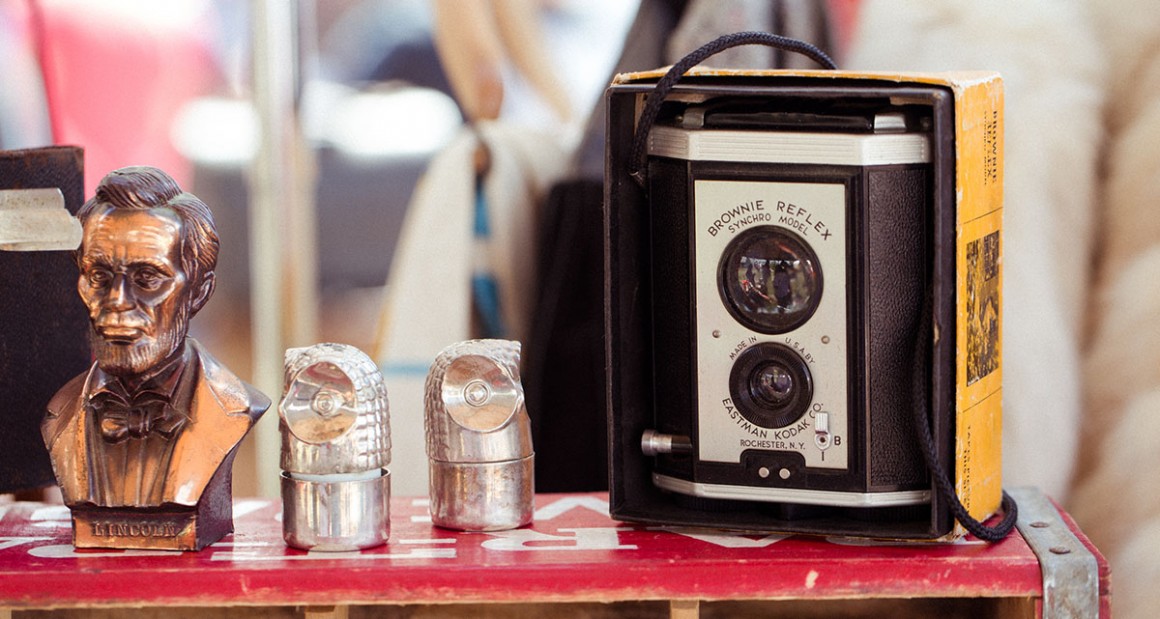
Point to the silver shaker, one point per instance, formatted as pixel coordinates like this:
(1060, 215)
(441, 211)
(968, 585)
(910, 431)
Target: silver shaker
(336, 445)
(479, 438)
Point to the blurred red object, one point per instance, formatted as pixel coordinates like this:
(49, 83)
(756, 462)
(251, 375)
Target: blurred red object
(116, 73)
(843, 19)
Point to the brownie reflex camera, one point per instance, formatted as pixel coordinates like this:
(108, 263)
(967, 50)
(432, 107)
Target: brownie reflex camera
(808, 273)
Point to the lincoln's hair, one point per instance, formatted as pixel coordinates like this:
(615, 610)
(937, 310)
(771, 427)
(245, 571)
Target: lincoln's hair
(143, 188)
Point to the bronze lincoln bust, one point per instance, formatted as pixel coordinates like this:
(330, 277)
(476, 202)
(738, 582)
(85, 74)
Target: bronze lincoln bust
(142, 444)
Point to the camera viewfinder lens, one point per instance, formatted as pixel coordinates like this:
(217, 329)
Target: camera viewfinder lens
(770, 279)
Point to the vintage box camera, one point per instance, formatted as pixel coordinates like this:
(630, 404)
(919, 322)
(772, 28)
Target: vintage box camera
(811, 269)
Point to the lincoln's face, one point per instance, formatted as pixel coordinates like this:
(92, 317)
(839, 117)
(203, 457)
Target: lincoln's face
(134, 287)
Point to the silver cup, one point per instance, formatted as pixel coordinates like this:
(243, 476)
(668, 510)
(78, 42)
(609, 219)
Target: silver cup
(336, 445)
(479, 438)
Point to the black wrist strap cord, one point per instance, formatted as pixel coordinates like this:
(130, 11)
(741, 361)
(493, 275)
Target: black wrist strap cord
(938, 473)
(638, 160)
(638, 156)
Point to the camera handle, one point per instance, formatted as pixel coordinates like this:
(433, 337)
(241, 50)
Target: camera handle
(938, 473)
(639, 153)
(639, 173)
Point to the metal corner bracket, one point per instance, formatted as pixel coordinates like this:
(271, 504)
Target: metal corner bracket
(1071, 581)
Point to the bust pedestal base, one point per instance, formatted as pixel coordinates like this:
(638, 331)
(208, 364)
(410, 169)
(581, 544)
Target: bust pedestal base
(165, 527)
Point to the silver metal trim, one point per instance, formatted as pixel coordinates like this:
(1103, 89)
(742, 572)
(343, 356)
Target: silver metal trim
(1071, 579)
(790, 495)
(789, 147)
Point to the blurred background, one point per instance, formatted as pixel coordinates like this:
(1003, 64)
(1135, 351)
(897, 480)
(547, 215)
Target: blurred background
(365, 105)
(307, 126)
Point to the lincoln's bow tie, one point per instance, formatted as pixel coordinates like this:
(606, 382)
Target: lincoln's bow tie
(123, 417)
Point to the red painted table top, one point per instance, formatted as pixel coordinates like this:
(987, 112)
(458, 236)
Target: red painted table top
(573, 552)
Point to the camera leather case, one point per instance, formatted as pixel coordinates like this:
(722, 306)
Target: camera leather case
(810, 274)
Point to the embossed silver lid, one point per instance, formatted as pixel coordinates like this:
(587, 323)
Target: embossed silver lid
(334, 413)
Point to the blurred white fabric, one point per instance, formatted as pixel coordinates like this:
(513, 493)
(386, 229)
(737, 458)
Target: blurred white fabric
(428, 302)
(1117, 495)
(1053, 78)
(1082, 255)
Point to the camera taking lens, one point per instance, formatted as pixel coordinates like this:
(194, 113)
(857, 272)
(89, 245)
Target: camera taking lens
(771, 385)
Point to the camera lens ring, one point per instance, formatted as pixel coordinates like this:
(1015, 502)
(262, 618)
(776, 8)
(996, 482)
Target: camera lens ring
(780, 405)
(770, 279)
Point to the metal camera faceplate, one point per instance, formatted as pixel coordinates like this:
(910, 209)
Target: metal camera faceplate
(731, 331)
